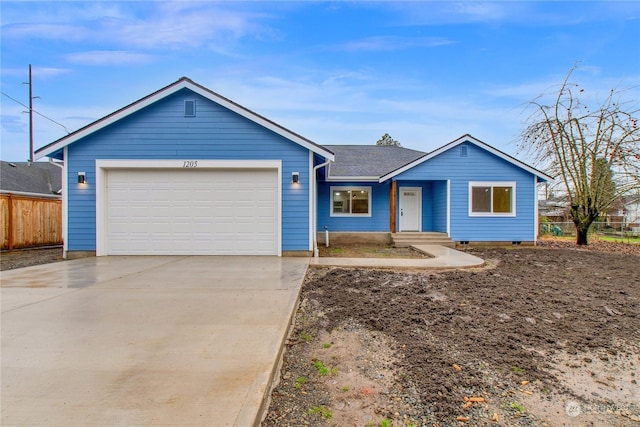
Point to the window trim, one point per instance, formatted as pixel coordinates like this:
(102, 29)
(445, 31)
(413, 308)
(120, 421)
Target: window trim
(350, 188)
(492, 184)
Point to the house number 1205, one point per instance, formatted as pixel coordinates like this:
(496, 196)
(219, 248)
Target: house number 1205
(190, 164)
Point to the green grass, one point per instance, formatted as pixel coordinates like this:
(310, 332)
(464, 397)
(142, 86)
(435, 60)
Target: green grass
(516, 407)
(322, 410)
(300, 381)
(326, 345)
(345, 388)
(386, 422)
(337, 251)
(634, 240)
(305, 336)
(518, 370)
(321, 367)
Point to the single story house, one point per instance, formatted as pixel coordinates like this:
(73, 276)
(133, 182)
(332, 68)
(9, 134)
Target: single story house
(185, 170)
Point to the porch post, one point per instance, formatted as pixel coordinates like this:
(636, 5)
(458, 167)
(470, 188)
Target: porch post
(392, 206)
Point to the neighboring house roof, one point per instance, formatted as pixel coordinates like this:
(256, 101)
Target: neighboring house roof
(25, 177)
(468, 138)
(183, 83)
(368, 162)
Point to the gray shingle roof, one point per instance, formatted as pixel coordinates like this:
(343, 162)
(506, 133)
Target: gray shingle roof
(37, 177)
(369, 160)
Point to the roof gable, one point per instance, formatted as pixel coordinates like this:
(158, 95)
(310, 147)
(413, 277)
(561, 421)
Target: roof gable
(368, 162)
(183, 83)
(468, 138)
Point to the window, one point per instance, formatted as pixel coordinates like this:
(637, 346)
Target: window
(492, 199)
(350, 201)
(189, 108)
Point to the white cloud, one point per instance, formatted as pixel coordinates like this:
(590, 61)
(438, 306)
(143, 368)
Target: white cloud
(388, 43)
(108, 57)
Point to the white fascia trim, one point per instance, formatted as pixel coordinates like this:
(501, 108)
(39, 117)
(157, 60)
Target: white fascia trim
(65, 203)
(137, 106)
(453, 144)
(103, 165)
(352, 179)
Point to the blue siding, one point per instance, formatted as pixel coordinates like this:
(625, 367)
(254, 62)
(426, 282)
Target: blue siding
(161, 131)
(479, 165)
(440, 206)
(378, 221)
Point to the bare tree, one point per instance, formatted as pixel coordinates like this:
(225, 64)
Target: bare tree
(592, 149)
(387, 140)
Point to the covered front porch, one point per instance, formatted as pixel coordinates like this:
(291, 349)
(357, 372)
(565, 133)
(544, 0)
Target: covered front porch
(419, 207)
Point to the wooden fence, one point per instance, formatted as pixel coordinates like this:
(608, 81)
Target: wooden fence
(30, 221)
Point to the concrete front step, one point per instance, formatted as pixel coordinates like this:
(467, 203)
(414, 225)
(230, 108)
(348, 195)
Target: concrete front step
(404, 240)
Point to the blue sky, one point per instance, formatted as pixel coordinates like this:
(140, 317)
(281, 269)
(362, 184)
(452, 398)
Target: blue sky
(334, 72)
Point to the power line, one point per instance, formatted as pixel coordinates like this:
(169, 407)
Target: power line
(40, 114)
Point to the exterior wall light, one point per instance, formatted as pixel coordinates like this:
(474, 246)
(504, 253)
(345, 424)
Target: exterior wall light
(82, 178)
(295, 177)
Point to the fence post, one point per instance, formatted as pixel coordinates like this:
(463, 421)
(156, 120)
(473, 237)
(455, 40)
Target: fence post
(10, 219)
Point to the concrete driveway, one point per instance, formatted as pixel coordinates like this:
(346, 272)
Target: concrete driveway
(141, 341)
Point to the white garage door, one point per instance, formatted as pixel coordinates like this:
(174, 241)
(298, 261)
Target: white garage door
(192, 212)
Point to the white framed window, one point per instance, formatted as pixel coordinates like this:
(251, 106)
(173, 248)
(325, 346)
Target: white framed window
(350, 201)
(492, 198)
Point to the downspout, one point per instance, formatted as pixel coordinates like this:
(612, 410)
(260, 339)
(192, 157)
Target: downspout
(314, 211)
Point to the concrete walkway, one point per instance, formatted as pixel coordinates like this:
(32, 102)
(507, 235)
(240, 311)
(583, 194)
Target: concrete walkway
(443, 258)
(144, 341)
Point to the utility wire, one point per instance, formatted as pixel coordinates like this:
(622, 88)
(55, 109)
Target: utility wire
(40, 114)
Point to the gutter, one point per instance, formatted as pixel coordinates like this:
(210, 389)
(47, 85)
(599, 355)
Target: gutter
(27, 194)
(314, 210)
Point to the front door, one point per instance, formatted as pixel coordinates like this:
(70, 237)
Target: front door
(410, 209)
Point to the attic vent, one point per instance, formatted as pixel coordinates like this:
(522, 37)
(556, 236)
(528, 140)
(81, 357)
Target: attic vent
(463, 151)
(190, 108)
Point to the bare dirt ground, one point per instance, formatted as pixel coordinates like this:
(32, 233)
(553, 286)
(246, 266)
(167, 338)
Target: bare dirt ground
(28, 257)
(546, 336)
(369, 251)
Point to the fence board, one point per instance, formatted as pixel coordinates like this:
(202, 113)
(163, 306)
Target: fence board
(30, 221)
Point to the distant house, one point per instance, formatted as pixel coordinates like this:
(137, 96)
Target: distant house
(185, 170)
(33, 178)
(30, 204)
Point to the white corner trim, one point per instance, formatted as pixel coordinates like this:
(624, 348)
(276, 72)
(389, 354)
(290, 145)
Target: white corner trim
(310, 188)
(536, 217)
(65, 203)
(449, 208)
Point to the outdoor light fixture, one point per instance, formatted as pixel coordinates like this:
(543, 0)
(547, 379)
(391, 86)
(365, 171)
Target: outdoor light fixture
(295, 177)
(82, 178)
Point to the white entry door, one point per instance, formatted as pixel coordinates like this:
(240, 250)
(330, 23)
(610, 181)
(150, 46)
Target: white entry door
(410, 209)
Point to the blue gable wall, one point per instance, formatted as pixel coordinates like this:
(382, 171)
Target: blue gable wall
(478, 165)
(161, 131)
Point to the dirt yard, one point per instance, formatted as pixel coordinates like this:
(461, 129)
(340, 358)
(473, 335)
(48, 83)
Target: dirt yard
(538, 337)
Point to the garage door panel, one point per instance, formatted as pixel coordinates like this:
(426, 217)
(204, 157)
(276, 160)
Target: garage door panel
(213, 212)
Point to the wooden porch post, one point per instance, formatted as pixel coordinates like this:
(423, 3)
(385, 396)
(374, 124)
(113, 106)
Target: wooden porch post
(392, 207)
